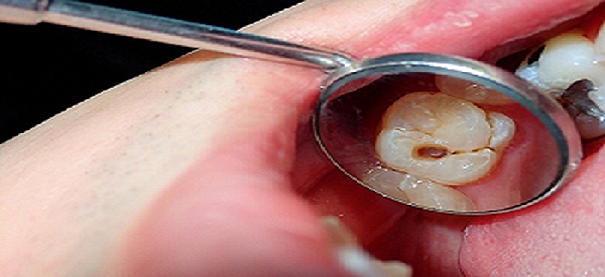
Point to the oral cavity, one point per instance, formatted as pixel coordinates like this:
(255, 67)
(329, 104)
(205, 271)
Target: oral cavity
(431, 142)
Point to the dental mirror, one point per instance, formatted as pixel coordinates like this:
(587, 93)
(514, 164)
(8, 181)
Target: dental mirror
(446, 133)
(436, 132)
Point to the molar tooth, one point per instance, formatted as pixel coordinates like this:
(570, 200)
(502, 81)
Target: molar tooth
(568, 58)
(443, 118)
(430, 194)
(457, 130)
(503, 128)
(386, 181)
(421, 192)
(530, 73)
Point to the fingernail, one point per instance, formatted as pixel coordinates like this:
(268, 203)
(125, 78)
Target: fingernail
(354, 260)
(394, 268)
(357, 262)
(360, 264)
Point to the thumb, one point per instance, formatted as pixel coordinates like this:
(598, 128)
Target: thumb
(231, 215)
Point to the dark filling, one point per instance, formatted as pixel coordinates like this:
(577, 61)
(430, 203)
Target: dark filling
(575, 99)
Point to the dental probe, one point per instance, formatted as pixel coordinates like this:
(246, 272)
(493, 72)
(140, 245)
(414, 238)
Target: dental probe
(349, 92)
(166, 30)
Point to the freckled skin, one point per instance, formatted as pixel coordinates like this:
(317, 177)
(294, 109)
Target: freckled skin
(91, 193)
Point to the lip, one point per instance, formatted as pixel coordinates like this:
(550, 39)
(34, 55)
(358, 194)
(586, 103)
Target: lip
(443, 245)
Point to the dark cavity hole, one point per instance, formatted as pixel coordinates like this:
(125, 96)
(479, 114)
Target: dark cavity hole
(432, 152)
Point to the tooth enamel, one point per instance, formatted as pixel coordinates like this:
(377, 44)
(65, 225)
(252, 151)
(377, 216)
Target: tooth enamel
(470, 91)
(600, 44)
(448, 119)
(385, 181)
(568, 58)
(421, 192)
(598, 97)
(441, 138)
(530, 73)
(430, 194)
(503, 129)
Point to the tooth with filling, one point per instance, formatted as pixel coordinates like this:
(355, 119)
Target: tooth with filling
(437, 137)
(568, 58)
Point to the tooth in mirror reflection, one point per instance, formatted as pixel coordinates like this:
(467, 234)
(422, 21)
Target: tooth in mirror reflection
(439, 142)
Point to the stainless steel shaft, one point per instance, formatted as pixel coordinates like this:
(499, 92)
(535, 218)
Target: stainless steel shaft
(156, 28)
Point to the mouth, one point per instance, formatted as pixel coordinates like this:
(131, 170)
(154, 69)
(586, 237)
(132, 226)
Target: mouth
(560, 236)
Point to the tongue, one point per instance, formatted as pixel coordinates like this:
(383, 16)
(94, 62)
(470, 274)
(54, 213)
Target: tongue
(563, 236)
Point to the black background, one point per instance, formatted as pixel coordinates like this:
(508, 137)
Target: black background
(45, 69)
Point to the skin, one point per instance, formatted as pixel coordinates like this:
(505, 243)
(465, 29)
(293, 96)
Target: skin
(205, 166)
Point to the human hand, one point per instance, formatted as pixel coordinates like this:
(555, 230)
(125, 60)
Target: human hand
(198, 167)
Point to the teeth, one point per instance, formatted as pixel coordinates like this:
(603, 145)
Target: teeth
(470, 91)
(386, 181)
(598, 97)
(441, 138)
(503, 129)
(397, 148)
(421, 192)
(448, 119)
(568, 58)
(529, 72)
(433, 195)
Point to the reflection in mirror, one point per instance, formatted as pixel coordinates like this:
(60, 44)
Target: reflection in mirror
(439, 143)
